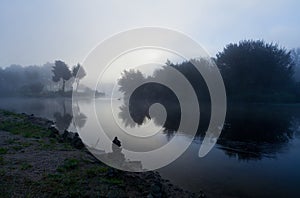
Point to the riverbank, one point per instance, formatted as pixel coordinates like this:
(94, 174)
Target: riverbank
(36, 161)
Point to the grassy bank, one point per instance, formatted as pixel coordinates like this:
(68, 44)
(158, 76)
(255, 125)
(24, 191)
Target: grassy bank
(37, 162)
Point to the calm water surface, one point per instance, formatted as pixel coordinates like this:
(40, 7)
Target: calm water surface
(257, 155)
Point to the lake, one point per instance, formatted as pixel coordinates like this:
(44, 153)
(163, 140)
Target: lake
(257, 155)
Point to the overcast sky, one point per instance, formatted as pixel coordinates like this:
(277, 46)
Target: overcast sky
(34, 31)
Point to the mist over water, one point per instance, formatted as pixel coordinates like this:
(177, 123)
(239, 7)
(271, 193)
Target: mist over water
(207, 93)
(265, 165)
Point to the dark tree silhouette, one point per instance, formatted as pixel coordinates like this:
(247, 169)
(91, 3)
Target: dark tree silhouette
(78, 73)
(141, 95)
(255, 71)
(296, 58)
(61, 72)
(129, 81)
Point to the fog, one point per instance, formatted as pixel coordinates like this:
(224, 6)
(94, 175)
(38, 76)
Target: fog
(34, 32)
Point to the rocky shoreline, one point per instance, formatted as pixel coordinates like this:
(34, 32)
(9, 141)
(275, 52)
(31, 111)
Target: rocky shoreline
(37, 161)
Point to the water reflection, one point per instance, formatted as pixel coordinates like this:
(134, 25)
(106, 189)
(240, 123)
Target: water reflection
(257, 131)
(135, 109)
(139, 106)
(251, 132)
(79, 118)
(59, 110)
(257, 153)
(62, 121)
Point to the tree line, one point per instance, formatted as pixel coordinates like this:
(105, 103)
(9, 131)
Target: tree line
(50, 79)
(253, 71)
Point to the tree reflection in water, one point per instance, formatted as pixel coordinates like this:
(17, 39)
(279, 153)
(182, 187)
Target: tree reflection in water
(64, 118)
(251, 132)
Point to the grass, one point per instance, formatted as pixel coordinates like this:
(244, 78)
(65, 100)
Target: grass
(56, 184)
(2, 162)
(25, 166)
(67, 146)
(25, 144)
(17, 147)
(27, 190)
(17, 124)
(11, 114)
(114, 181)
(3, 151)
(95, 171)
(46, 146)
(52, 140)
(24, 128)
(11, 140)
(69, 164)
(73, 177)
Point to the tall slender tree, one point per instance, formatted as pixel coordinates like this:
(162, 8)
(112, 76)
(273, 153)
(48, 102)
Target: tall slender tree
(78, 73)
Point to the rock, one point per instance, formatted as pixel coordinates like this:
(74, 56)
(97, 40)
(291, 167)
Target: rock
(77, 143)
(65, 135)
(150, 176)
(155, 190)
(150, 196)
(52, 135)
(68, 136)
(110, 172)
(201, 194)
(113, 194)
(53, 130)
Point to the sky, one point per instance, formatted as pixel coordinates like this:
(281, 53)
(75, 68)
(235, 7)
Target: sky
(34, 32)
